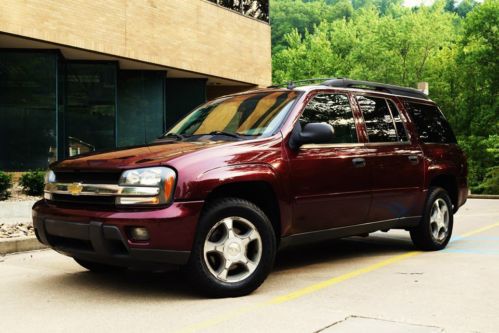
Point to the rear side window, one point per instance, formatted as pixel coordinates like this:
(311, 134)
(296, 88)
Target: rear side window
(378, 119)
(430, 123)
(335, 110)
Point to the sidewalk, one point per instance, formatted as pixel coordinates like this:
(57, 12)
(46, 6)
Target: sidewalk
(14, 212)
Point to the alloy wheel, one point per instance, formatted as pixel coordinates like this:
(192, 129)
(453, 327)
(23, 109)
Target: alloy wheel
(232, 249)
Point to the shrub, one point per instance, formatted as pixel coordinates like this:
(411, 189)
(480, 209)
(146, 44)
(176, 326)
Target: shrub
(33, 182)
(5, 185)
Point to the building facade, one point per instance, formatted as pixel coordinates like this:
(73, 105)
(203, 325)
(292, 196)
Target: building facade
(78, 76)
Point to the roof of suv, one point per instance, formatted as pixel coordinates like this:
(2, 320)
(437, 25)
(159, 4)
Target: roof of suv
(356, 86)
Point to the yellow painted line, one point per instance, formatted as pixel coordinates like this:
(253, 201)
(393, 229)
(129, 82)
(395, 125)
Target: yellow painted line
(316, 287)
(479, 230)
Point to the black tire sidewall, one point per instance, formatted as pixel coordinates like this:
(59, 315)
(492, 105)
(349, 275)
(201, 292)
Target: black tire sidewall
(197, 269)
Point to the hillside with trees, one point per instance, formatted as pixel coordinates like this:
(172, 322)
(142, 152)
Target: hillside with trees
(453, 46)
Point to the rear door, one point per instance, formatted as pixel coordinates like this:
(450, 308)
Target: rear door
(395, 158)
(330, 182)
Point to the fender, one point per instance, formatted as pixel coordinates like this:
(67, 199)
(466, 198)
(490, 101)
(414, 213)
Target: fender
(246, 172)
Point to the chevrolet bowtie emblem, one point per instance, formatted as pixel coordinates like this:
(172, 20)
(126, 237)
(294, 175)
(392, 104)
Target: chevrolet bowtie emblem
(75, 188)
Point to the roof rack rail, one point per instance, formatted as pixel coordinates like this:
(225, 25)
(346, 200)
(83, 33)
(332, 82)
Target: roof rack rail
(396, 90)
(293, 84)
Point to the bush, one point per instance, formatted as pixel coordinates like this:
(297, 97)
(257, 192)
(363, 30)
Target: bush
(33, 182)
(5, 185)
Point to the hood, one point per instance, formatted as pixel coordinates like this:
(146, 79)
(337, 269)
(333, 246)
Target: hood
(134, 157)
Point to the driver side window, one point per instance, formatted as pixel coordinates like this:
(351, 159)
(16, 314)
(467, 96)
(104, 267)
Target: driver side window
(335, 110)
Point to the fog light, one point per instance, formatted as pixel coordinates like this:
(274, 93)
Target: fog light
(139, 234)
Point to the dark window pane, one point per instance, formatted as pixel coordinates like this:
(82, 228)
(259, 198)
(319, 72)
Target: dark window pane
(378, 120)
(182, 96)
(141, 107)
(90, 110)
(401, 132)
(334, 110)
(430, 123)
(28, 106)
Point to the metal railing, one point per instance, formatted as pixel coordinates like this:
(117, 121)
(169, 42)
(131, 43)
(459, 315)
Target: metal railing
(257, 9)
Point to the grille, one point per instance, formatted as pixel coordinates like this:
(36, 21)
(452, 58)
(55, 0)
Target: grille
(87, 177)
(84, 199)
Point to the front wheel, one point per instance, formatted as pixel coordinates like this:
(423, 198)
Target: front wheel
(234, 250)
(435, 229)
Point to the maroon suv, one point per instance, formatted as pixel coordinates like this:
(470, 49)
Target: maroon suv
(246, 174)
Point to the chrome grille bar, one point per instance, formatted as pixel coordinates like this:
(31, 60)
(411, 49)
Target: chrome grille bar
(77, 189)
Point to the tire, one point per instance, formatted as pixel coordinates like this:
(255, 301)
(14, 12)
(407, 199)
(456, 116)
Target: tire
(96, 267)
(249, 255)
(434, 232)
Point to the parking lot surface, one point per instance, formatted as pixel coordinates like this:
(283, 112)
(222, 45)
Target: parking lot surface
(375, 284)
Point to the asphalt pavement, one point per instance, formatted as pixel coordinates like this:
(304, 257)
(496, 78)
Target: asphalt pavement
(374, 284)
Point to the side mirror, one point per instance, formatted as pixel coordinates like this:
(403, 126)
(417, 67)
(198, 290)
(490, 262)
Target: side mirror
(312, 133)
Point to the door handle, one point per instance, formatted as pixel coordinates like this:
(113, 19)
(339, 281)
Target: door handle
(413, 159)
(359, 162)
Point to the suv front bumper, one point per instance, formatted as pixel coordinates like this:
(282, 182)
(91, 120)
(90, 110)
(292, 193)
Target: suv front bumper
(103, 237)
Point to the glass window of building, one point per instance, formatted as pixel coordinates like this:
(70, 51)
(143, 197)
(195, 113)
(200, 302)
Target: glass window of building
(90, 113)
(141, 113)
(28, 106)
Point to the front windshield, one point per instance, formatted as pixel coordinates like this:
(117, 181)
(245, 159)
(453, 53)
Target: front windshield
(254, 114)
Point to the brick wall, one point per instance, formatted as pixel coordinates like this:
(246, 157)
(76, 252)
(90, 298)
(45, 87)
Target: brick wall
(192, 35)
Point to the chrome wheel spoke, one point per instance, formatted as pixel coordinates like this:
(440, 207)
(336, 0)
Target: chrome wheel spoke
(213, 247)
(225, 269)
(250, 265)
(229, 225)
(249, 237)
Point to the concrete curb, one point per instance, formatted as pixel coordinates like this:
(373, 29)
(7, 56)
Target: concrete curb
(483, 196)
(20, 244)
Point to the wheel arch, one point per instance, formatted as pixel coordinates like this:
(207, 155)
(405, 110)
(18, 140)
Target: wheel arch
(259, 192)
(449, 183)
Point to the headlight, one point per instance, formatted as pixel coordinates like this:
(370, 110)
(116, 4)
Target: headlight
(161, 177)
(50, 177)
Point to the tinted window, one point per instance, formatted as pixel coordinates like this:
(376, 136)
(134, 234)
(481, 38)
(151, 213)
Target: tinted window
(334, 110)
(28, 106)
(430, 123)
(378, 120)
(91, 106)
(141, 107)
(399, 125)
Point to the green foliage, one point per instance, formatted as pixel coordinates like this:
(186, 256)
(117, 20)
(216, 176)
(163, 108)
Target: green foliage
(5, 185)
(33, 182)
(452, 45)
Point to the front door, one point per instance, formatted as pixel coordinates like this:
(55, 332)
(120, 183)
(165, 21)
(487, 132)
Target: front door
(397, 163)
(330, 182)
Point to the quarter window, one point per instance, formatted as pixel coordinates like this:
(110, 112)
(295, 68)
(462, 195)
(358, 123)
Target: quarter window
(430, 123)
(378, 119)
(335, 110)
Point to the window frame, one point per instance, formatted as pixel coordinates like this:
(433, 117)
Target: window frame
(403, 118)
(355, 116)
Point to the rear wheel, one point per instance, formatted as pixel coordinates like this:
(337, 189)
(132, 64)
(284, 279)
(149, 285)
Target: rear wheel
(234, 249)
(98, 267)
(435, 229)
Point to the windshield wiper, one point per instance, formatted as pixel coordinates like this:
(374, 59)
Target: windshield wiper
(179, 137)
(225, 133)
